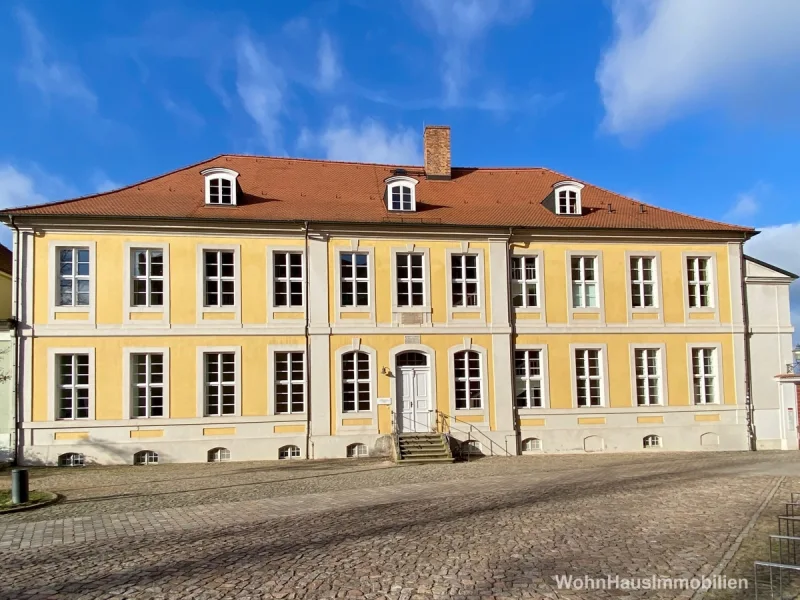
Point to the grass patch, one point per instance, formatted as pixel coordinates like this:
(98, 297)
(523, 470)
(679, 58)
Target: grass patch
(34, 497)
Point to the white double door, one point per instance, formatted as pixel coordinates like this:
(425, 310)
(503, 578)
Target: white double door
(414, 398)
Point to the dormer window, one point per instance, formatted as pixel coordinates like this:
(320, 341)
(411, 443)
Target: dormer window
(568, 197)
(220, 186)
(400, 193)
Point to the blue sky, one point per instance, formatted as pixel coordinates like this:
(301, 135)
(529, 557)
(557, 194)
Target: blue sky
(684, 104)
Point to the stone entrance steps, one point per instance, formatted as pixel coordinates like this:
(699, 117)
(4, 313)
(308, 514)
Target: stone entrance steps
(417, 448)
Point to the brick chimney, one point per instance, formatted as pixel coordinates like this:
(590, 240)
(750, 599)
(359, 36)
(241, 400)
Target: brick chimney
(437, 151)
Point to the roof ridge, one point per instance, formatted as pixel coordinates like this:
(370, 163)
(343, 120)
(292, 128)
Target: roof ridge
(319, 160)
(647, 204)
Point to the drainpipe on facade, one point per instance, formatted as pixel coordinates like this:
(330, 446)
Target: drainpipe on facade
(307, 382)
(17, 434)
(748, 386)
(513, 325)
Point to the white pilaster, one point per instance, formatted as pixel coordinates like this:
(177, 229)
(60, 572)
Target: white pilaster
(319, 377)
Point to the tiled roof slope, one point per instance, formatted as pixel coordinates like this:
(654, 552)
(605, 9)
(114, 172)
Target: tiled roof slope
(283, 189)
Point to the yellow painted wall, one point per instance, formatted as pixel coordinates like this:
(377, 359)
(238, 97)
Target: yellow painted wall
(183, 270)
(439, 272)
(619, 365)
(183, 371)
(6, 291)
(439, 343)
(614, 277)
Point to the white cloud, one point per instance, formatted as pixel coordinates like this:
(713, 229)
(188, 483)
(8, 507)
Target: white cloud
(103, 183)
(369, 141)
(30, 186)
(669, 58)
(748, 203)
(261, 87)
(17, 188)
(459, 24)
(779, 246)
(53, 79)
(329, 70)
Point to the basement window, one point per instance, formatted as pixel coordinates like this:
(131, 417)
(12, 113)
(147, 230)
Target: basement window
(568, 197)
(400, 193)
(220, 188)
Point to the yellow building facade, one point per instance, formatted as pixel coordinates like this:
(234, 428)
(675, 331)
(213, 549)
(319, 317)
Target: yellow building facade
(180, 320)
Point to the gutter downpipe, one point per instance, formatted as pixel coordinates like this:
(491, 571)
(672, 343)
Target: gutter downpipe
(307, 382)
(16, 350)
(513, 326)
(748, 367)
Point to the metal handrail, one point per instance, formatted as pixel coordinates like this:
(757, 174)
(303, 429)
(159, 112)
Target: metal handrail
(445, 423)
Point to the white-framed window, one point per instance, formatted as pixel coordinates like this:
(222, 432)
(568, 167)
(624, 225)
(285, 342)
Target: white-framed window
(584, 281)
(289, 380)
(219, 455)
(647, 363)
(643, 282)
(147, 381)
(219, 278)
(698, 271)
(468, 374)
(220, 383)
(525, 281)
(356, 382)
(357, 451)
(74, 277)
(147, 277)
(220, 186)
(589, 377)
(73, 386)
(410, 279)
(354, 279)
(145, 457)
(651, 441)
(71, 459)
(531, 445)
(464, 279)
(288, 452)
(401, 193)
(287, 282)
(705, 375)
(568, 197)
(529, 378)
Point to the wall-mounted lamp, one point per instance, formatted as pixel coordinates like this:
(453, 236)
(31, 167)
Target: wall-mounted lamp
(794, 367)
(385, 371)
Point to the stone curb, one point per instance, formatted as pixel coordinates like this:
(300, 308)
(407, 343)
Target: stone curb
(55, 498)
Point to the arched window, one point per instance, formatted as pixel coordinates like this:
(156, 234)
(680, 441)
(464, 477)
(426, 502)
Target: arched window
(356, 393)
(220, 186)
(288, 452)
(400, 193)
(468, 379)
(652, 441)
(145, 457)
(531, 445)
(412, 359)
(71, 459)
(568, 197)
(219, 455)
(357, 451)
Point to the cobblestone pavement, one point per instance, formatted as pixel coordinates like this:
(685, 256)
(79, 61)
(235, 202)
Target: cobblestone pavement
(491, 529)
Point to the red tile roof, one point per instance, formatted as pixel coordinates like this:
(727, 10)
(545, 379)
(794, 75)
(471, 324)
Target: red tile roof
(287, 189)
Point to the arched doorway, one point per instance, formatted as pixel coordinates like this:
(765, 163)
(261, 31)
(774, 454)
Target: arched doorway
(413, 392)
